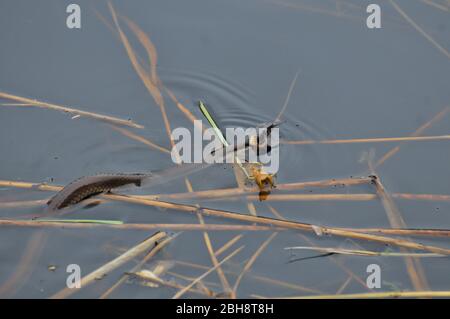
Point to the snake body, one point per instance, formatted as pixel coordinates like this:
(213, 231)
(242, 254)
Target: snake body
(89, 186)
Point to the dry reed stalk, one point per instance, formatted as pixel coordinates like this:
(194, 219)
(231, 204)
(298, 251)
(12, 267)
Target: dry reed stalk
(133, 252)
(36, 103)
(254, 219)
(228, 244)
(425, 197)
(39, 186)
(187, 113)
(150, 86)
(371, 140)
(133, 226)
(281, 223)
(413, 265)
(25, 203)
(230, 192)
(136, 268)
(149, 47)
(403, 232)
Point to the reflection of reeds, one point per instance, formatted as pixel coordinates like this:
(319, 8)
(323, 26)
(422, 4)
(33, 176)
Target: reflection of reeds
(419, 29)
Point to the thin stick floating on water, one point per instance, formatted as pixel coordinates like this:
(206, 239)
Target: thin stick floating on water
(93, 224)
(372, 140)
(44, 105)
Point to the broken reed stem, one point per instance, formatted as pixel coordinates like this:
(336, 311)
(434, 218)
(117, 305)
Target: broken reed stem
(238, 191)
(281, 223)
(236, 216)
(315, 197)
(36, 103)
(213, 227)
(371, 140)
(125, 276)
(209, 247)
(180, 227)
(414, 266)
(417, 132)
(252, 219)
(228, 244)
(112, 265)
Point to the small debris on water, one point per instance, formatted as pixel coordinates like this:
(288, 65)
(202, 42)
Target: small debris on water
(51, 268)
(317, 230)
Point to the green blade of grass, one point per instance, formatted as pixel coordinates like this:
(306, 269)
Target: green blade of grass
(219, 133)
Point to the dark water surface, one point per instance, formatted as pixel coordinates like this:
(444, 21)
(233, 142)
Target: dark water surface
(240, 57)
